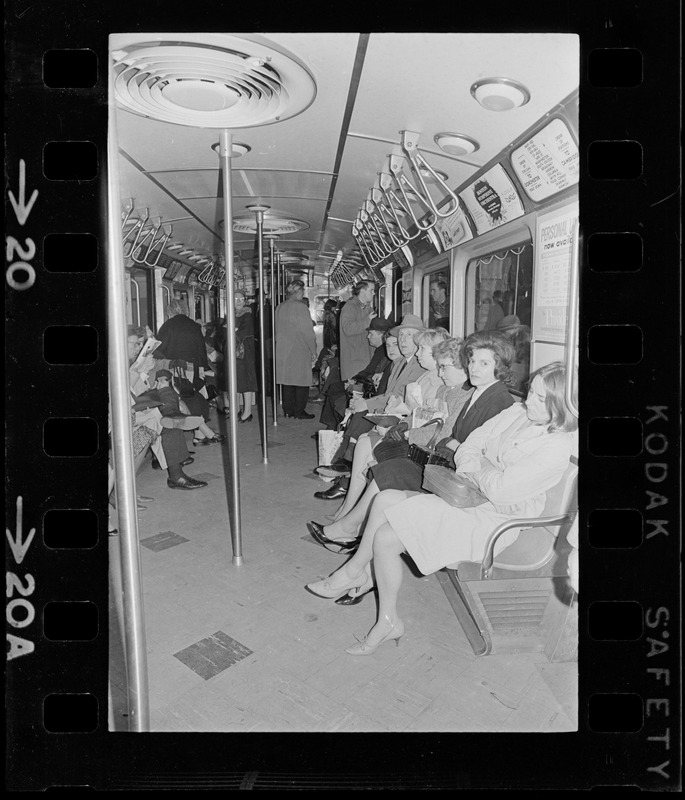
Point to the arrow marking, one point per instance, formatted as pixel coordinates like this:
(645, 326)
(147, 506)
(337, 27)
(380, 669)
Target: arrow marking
(21, 208)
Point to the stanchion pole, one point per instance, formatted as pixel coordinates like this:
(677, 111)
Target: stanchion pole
(259, 213)
(225, 148)
(131, 600)
(274, 388)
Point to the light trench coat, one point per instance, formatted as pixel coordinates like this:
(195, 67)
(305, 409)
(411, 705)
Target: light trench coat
(513, 462)
(295, 344)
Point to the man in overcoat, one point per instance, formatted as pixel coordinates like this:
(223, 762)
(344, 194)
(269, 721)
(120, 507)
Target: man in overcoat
(295, 351)
(356, 314)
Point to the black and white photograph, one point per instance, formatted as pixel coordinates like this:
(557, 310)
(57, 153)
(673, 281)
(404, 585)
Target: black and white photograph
(346, 277)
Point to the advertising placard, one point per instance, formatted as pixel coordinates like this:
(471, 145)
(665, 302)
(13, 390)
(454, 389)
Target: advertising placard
(492, 200)
(548, 162)
(453, 230)
(553, 253)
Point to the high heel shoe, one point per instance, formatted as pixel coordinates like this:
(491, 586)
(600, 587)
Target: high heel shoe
(247, 419)
(355, 596)
(363, 649)
(324, 589)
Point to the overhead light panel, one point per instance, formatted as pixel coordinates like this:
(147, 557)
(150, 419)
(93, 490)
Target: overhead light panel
(500, 94)
(456, 144)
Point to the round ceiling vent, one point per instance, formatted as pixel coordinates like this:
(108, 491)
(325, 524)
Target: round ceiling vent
(240, 85)
(270, 225)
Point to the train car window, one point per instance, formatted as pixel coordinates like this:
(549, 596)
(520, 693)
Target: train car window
(199, 307)
(499, 297)
(436, 296)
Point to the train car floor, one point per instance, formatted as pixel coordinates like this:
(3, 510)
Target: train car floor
(247, 648)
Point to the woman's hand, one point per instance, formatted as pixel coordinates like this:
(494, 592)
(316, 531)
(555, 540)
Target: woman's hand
(398, 432)
(357, 403)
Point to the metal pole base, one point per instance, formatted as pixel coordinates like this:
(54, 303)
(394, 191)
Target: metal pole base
(237, 561)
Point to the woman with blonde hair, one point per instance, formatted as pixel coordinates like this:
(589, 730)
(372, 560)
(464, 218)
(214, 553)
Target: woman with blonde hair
(513, 459)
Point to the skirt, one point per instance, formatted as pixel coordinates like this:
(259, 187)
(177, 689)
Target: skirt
(398, 473)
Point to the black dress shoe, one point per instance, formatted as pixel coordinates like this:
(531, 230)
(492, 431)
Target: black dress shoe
(304, 415)
(334, 493)
(316, 531)
(352, 599)
(155, 463)
(188, 460)
(185, 482)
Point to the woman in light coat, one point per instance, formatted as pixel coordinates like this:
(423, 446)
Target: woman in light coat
(514, 458)
(295, 351)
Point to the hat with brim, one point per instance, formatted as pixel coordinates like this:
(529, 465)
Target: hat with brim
(409, 321)
(379, 324)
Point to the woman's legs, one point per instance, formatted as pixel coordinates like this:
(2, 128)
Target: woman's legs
(358, 563)
(362, 455)
(347, 527)
(248, 400)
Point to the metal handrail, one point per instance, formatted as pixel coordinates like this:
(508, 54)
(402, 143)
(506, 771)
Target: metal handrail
(571, 343)
(417, 161)
(139, 225)
(400, 181)
(134, 282)
(385, 182)
(161, 242)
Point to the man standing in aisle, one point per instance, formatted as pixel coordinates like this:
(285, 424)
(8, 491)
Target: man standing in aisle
(295, 351)
(356, 314)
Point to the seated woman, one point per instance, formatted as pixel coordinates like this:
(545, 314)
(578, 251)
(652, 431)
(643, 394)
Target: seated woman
(172, 410)
(487, 356)
(514, 458)
(444, 360)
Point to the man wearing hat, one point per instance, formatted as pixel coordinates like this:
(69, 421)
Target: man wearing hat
(405, 370)
(355, 317)
(375, 374)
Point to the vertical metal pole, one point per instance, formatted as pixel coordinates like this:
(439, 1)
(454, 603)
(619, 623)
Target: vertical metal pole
(259, 212)
(225, 154)
(274, 389)
(122, 448)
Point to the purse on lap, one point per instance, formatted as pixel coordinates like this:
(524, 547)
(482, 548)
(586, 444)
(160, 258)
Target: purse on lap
(452, 487)
(427, 454)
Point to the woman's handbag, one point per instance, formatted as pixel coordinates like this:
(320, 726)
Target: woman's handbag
(452, 487)
(184, 387)
(239, 349)
(427, 454)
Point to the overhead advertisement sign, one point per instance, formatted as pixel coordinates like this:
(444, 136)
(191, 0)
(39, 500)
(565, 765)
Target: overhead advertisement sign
(492, 200)
(553, 253)
(453, 230)
(548, 162)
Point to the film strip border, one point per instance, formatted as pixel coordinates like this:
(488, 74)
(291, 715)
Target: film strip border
(56, 400)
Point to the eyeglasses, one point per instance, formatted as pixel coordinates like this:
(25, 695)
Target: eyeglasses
(442, 367)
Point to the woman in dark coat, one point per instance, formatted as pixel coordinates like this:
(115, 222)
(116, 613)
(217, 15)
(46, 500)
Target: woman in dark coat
(246, 372)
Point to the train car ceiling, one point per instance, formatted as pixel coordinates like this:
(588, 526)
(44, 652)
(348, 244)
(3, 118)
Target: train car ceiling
(319, 115)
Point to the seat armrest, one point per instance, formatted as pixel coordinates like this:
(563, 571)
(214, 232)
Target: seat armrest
(534, 522)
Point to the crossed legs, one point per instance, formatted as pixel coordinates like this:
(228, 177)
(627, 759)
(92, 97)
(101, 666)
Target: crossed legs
(380, 544)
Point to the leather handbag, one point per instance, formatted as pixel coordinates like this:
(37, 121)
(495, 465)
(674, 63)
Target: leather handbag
(427, 454)
(452, 487)
(184, 387)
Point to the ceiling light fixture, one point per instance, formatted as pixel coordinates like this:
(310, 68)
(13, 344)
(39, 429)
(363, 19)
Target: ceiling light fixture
(456, 144)
(500, 94)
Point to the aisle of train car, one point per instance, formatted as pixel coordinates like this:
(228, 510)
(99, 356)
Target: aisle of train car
(246, 648)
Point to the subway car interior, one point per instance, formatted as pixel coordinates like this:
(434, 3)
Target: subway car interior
(443, 169)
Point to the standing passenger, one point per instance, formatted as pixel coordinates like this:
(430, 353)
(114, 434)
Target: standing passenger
(357, 313)
(246, 373)
(182, 341)
(295, 351)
